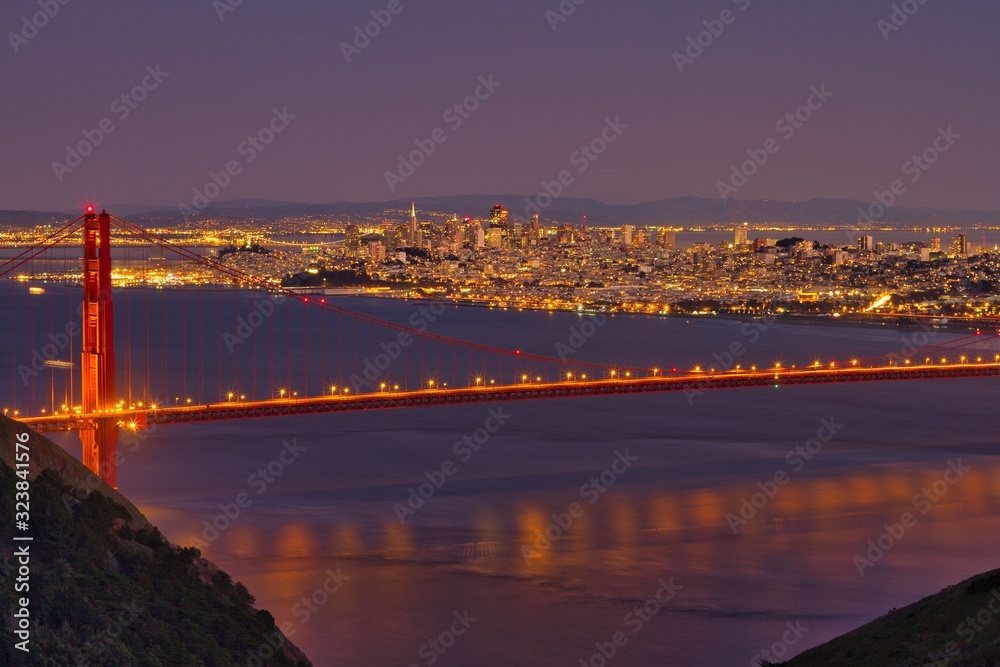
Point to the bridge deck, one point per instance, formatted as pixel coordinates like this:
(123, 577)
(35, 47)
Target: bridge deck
(527, 391)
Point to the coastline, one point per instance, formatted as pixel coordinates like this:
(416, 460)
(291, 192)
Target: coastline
(925, 322)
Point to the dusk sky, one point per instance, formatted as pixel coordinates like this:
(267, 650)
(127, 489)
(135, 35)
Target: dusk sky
(557, 88)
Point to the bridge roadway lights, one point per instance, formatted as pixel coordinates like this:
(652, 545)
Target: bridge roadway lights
(378, 401)
(423, 398)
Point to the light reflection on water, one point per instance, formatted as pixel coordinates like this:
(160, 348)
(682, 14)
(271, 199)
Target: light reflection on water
(665, 517)
(793, 561)
(629, 525)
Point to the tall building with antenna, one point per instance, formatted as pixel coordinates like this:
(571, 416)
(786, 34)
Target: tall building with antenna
(414, 235)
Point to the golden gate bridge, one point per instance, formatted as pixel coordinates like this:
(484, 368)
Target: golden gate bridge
(164, 375)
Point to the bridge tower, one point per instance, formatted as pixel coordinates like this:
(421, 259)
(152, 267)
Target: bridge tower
(98, 356)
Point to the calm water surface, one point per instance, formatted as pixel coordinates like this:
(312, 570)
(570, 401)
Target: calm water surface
(331, 507)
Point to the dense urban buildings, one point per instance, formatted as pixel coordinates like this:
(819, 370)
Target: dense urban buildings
(490, 260)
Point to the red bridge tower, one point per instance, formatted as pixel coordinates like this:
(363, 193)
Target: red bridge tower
(98, 358)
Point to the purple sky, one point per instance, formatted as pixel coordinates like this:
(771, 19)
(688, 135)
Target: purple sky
(609, 59)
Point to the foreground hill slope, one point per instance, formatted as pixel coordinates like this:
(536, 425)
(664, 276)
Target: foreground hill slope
(107, 589)
(958, 627)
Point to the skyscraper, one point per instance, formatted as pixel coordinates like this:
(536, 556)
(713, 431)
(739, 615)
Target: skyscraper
(425, 232)
(959, 245)
(740, 237)
(374, 248)
(499, 217)
(456, 233)
(494, 237)
(516, 235)
(627, 234)
(352, 240)
(395, 238)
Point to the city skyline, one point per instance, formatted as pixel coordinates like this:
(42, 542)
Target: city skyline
(525, 333)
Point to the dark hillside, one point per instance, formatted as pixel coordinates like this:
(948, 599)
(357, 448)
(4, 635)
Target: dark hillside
(107, 589)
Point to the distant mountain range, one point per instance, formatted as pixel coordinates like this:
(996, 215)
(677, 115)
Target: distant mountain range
(681, 211)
